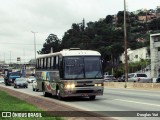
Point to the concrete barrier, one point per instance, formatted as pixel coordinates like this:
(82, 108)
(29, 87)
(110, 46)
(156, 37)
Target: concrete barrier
(131, 85)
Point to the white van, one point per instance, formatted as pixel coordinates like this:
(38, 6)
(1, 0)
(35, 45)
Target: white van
(139, 77)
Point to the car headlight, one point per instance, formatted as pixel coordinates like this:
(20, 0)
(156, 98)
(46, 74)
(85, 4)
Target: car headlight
(69, 86)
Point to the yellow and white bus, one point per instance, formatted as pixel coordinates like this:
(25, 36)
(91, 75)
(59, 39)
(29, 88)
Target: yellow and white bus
(70, 73)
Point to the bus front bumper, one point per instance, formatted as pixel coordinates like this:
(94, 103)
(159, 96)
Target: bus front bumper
(82, 92)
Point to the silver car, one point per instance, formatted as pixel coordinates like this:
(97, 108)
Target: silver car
(1, 80)
(30, 79)
(20, 82)
(139, 77)
(109, 78)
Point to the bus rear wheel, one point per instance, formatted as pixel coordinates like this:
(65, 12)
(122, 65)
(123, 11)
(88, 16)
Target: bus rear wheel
(92, 97)
(46, 94)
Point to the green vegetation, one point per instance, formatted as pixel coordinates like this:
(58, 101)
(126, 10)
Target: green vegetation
(12, 104)
(106, 36)
(132, 67)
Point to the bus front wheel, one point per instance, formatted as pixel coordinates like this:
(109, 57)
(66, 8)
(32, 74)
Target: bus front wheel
(46, 94)
(58, 94)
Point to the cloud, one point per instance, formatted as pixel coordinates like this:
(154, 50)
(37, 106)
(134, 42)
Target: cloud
(19, 17)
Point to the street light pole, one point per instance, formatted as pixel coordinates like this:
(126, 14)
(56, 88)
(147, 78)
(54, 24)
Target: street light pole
(34, 46)
(125, 43)
(10, 57)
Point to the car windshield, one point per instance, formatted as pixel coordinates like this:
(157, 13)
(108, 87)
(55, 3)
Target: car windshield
(15, 74)
(82, 67)
(131, 75)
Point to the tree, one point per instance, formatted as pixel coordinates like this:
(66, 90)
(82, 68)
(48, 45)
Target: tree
(155, 24)
(108, 19)
(51, 42)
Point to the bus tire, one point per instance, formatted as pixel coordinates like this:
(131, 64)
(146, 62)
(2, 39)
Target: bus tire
(43, 90)
(92, 97)
(33, 89)
(36, 89)
(45, 94)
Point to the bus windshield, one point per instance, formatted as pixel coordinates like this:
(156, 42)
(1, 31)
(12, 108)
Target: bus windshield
(82, 67)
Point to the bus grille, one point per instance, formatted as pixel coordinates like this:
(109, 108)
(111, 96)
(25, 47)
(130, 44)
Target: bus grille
(84, 85)
(84, 91)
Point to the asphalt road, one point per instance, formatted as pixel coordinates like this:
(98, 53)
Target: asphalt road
(114, 102)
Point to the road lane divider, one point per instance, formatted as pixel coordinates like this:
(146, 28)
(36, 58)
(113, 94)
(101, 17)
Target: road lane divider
(132, 85)
(130, 101)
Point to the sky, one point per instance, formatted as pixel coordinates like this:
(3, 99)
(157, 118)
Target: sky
(20, 18)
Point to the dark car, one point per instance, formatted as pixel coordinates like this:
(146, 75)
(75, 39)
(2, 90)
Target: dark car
(122, 78)
(158, 80)
(20, 82)
(11, 76)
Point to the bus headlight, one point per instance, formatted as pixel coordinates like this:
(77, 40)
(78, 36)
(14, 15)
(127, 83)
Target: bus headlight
(98, 84)
(69, 86)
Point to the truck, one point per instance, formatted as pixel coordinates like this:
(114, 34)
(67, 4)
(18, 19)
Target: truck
(139, 77)
(10, 77)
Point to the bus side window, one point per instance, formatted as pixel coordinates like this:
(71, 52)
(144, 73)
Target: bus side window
(46, 60)
(39, 64)
(61, 68)
(54, 64)
(43, 63)
(48, 63)
(57, 62)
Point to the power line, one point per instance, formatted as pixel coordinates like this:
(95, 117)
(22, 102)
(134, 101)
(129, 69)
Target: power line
(18, 43)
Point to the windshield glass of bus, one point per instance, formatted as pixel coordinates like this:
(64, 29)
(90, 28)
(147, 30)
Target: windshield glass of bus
(74, 67)
(92, 67)
(82, 67)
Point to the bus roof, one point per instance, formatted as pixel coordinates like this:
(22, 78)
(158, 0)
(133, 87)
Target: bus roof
(70, 52)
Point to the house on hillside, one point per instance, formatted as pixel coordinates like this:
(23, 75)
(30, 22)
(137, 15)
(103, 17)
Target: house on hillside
(146, 18)
(135, 55)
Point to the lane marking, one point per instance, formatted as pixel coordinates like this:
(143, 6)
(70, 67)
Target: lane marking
(129, 89)
(137, 93)
(138, 102)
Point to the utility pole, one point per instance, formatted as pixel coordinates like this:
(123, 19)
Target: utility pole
(4, 58)
(125, 43)
(34, 46)
(10, 57)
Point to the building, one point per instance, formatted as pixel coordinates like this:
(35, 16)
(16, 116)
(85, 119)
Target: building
(2, 62)
(135, 55)
(155, 54)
